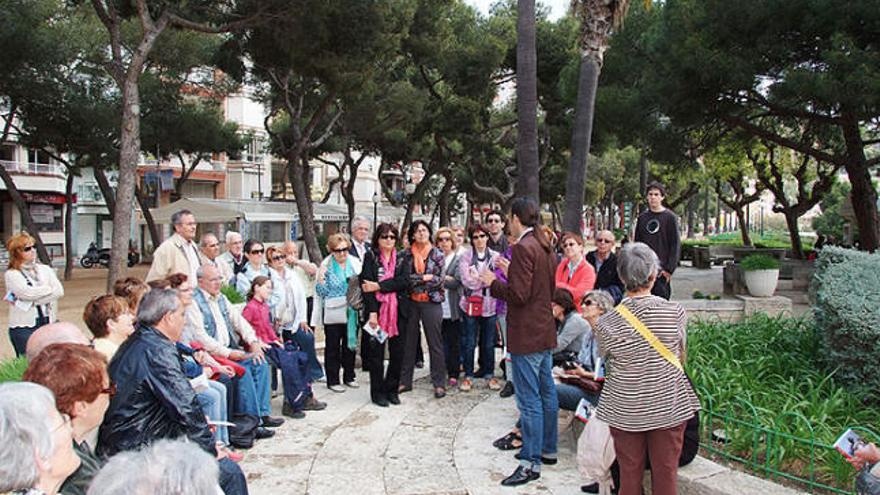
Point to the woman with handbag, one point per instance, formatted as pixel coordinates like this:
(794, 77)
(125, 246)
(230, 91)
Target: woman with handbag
(647, 398)
(452, 314)
(478, 308)
(381, 281)
(332, 312)
(32, 291)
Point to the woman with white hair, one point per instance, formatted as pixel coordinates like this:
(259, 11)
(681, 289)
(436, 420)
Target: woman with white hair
(167, 467)
(37, 454)
(647, 398)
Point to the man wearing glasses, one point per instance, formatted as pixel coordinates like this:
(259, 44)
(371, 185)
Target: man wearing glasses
(210, 254)
(179, 253)
(495, 225)
(604, 261)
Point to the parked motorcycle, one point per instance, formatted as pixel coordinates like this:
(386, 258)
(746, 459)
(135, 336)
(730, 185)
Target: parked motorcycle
(95, 257)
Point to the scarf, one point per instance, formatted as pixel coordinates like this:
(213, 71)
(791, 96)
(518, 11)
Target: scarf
(420, 253)
(352, 319)
(388, 300)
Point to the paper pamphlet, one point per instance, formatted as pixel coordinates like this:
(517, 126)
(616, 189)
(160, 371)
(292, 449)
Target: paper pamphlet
(584, 410)
(376, 332)
(849, 443)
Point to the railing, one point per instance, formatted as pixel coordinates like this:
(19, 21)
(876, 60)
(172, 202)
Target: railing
(737, 433)
(32, 168)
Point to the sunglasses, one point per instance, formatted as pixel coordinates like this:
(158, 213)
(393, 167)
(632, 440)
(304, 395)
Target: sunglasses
(111, 390)
(587, 302)
(388, 236)
(600, 241)
(256, 251)
(27, 249)
(277, 258)
(340, 250)
(479, 236)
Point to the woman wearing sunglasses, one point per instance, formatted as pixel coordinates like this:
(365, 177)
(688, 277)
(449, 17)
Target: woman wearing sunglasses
(255, 266)
(32, 291)
(382, 279)
(573, 272)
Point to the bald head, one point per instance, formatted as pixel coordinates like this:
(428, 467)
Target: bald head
(62, 332)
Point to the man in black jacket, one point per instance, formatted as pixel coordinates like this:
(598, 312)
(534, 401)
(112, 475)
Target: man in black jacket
(154, 399)
(604, 261)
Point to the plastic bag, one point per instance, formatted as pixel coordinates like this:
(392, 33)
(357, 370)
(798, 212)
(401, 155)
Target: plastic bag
(595, 454)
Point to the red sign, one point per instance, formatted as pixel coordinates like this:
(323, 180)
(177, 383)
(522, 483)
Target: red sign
(46, 198)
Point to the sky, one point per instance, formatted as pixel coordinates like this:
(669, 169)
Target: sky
(558, 8)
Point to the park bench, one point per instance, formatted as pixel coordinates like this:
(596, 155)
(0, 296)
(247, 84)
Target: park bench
(717, 254)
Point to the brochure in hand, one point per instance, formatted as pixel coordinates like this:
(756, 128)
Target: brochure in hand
(584, 410)
(376, 332)
(849, 443)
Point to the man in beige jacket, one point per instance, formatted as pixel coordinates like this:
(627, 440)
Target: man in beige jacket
(179, 253)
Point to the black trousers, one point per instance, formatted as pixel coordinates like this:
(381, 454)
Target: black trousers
(452, 346)
(662, 288)
(337, 354)
(384, 383)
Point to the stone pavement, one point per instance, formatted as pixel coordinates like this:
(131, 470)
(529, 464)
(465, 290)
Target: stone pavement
(423, 446)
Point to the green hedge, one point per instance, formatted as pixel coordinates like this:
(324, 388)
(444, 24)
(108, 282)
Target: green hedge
(12, 370)
(846, 291)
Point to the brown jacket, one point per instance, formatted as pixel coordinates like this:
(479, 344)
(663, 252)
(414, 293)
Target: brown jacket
(530, 324)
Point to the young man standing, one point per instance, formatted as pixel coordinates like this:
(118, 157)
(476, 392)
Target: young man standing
(658, 228)
(495, 225)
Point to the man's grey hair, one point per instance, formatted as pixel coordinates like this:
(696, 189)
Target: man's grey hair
(360, 219)
(25, 429)
(602, 299)
(156, 304)
(202, 269)
(167, 467)
(204, 240)
(636, 263)
(231, 235)
(177, 216)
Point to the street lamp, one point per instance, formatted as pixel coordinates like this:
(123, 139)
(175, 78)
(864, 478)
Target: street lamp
(375, 209)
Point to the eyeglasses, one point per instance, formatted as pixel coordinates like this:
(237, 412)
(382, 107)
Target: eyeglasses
(493, 220)
(256, 251)
(277, 258)
(340, 250)
(570, 244)
(479, 236)
(600, 241)
(110, 390)
(587, 302)
(27, 249)
(388, 236)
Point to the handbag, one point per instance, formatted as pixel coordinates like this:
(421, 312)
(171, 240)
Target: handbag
(474, 305)
(596, 454)
(586, 384)
(42, 318)
(335, 310)
(354, 295)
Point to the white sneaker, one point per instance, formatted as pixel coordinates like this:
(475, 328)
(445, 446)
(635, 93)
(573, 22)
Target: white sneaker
(337, 388)
(323, 379)
(352, 384)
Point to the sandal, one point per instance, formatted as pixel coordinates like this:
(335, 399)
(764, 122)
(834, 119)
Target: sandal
(507, 442)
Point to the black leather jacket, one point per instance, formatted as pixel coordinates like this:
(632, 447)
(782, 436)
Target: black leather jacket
(154, 399)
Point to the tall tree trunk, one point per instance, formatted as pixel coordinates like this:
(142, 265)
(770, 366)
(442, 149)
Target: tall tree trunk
(588, 81)
(717, 212)
(863, 194)
(706, 212)
(106, 190)
(744, 231)
(68, 227)
(528, 182)
(643, 180)
(26, 219)
(691, 205)
(791, 220)
(298, 171)
(148, 217)
(445, 193)
(412, 201)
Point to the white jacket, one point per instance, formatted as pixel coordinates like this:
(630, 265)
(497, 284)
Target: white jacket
(44, 291)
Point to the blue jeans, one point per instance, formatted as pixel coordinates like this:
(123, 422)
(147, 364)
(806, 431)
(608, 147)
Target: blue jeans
(253, 389)
(213, 402)
(232, 480)
(19, 337)
(538, 406)
(306, 342)
(484, 328)
(570, 396)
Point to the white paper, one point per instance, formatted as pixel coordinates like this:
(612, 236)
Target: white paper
(376, 332)
(583, 411)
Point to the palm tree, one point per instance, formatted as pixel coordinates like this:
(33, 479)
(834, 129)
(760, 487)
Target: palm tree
(527, 101)
(598, 19)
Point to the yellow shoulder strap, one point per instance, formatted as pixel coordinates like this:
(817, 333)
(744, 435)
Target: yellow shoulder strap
(648, 335)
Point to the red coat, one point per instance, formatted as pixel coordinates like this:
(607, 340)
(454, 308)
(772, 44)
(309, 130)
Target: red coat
(581, 282)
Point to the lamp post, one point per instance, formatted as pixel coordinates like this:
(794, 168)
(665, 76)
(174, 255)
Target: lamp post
(375, 210)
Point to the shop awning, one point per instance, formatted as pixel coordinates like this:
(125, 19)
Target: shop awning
(230, 210)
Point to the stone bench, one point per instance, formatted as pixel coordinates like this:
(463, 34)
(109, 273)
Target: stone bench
(706, 256)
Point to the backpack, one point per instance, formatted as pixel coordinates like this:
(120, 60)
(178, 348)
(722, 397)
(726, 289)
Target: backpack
(293, 364)
(243, 433)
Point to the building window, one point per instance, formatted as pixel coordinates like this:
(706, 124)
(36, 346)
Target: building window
(39, 156)
(47, 217)
(268, 231)
(254, 150)
(7, 153)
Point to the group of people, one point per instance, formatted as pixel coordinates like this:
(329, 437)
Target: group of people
(173, 357)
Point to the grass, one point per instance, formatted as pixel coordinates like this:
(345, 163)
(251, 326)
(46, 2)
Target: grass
(765, 370)
(12, 370)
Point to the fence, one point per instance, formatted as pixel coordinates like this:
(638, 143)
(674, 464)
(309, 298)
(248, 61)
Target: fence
(736, 433)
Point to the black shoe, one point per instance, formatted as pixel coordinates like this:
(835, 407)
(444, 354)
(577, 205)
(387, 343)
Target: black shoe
(420, 364)
(544, 460)
(270, 422)
(439, 393)
(313, 404)
(380, 402)
(288, 411)
(261, 433)
(394, 399)
(507, 391)
(591, 488)
(521, 476)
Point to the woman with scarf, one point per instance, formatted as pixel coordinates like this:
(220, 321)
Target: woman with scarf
(424, 264)
(332, 312)
(382, 279)
(32, 291)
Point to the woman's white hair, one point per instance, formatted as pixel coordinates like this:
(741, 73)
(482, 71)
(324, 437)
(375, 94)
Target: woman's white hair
(25, 432)
(636, 264)
(167, 467)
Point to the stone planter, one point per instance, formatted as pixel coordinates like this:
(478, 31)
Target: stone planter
(761, 283)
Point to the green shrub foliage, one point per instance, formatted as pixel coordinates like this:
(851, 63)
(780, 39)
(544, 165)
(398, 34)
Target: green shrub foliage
(13, 369)
(846, 291)
(232, 294)
(755, 262)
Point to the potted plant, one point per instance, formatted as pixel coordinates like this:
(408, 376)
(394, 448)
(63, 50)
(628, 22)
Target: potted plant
(761, 272)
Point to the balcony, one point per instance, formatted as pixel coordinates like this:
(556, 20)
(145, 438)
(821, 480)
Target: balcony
(89, 194)
(33, 168)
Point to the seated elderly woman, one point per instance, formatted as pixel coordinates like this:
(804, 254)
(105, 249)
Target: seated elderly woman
(77, 375)
(37, 454)
(110, 321)
(167, 467)
(647, 398)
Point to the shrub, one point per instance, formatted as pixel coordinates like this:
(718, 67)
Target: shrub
(846, 291)
(232, 294)
(755, 262)
(12, 370)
